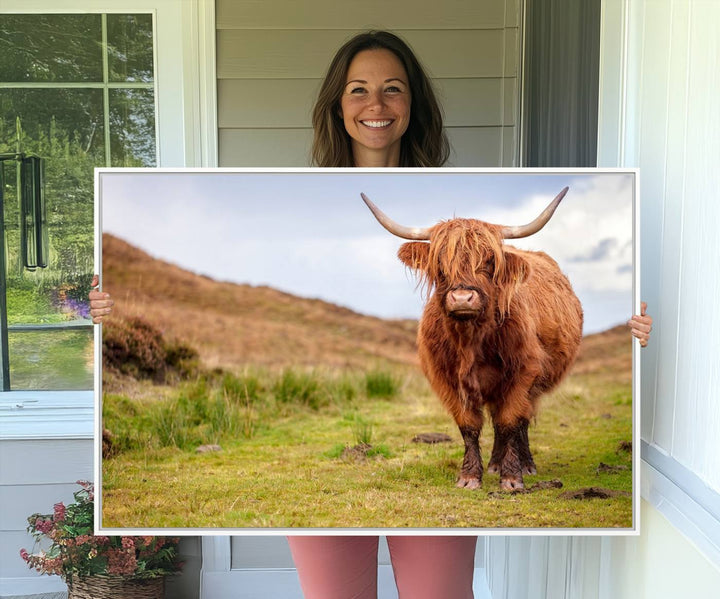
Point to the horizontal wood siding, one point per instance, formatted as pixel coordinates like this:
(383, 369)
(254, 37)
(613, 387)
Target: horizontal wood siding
(265, 147)
(45, 462)
(34, 476)
(271, 60)
(331, 14)
(306, 54)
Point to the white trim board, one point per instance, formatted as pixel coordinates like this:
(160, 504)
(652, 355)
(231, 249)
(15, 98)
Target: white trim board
(691, 508)
(46, 415)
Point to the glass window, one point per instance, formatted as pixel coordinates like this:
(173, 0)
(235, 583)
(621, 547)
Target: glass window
(77, 90)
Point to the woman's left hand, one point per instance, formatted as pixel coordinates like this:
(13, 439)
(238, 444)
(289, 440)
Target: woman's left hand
(100, 302)
(640, 326)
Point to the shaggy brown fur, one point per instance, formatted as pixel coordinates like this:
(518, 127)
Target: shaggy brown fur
(501, 327)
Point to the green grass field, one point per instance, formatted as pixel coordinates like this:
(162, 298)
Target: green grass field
(284, 464)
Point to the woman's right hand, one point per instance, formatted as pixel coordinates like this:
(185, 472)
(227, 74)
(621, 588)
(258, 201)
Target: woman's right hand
(100, 302)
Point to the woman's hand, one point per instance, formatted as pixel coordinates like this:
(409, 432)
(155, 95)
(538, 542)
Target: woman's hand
(640, 326)
(100, 302)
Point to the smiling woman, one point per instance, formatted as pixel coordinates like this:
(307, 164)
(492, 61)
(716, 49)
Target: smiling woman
(377, 107)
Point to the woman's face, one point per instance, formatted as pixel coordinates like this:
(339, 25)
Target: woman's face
(375, 107)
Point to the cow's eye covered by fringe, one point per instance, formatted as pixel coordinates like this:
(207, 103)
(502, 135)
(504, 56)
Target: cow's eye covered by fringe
(488, 266)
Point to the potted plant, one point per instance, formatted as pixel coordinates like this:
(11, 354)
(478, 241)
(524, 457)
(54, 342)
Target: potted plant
(98, 567)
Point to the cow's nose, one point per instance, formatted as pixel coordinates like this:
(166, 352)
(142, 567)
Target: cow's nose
(463, 296)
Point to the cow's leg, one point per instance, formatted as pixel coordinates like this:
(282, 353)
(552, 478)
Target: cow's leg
(526, 460)
(509, 441)
(496, 456)
(472, 469)
(511, 417)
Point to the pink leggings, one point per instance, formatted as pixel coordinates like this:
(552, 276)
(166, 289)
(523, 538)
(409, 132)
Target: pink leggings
(346, 567)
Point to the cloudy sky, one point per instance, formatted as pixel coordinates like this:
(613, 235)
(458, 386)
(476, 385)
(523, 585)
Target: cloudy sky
(309, 233)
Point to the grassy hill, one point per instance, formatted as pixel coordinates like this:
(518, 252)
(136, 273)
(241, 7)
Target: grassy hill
(233, 325)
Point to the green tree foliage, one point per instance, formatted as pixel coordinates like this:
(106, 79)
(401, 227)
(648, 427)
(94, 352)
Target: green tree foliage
(56, 100)
(66, 126)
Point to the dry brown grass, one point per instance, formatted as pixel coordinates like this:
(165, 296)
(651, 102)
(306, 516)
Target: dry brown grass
(233, 325)
(607, 356)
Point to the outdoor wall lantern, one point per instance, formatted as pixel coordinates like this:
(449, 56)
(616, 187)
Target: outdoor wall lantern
(33, 212)
(33, 236)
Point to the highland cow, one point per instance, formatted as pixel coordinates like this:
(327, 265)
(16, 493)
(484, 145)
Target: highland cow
(501, 326)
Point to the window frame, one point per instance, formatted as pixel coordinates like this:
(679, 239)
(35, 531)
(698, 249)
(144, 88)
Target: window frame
(186, 136)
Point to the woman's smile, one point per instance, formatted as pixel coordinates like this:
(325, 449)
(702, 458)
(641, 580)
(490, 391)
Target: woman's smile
(376, 124)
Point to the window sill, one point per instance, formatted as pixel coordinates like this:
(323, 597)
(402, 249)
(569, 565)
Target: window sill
(690, 505)
(46, 415)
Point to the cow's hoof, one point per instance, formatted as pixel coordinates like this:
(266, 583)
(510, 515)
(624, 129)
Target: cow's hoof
(529, 469)
(512, 483)
(468, 482)
(493, 468)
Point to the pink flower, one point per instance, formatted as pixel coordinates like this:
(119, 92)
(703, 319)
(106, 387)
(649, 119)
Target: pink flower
(44, 526)
(128, 543)
(25, 555)
(121, 562)
(53, 565)
(59, 509)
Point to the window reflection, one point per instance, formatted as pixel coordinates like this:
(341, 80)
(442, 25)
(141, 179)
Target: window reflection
(78, 91)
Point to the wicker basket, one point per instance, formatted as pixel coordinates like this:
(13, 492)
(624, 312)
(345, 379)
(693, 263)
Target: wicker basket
(116, 587)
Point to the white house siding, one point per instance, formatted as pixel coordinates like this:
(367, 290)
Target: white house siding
(271, 58)
(660, 82)
(674, 123)
(34, 475)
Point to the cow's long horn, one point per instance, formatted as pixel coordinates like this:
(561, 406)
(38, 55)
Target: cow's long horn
(538, 223)
(414, 233)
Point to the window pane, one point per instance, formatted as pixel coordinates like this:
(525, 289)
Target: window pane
(51, 360)
(65, 127)
(50, 48)
(130, 47)
(53, 122)
(132, 127)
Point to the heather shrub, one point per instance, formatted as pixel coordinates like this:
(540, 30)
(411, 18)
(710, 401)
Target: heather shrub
(134, 347)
